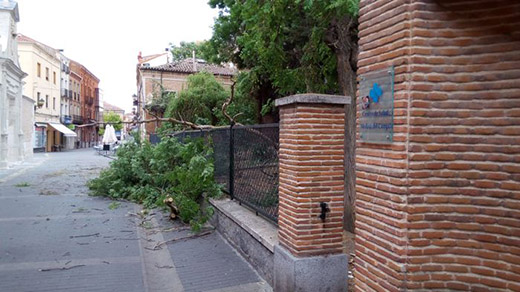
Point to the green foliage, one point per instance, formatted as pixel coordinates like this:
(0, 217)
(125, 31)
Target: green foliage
(147, 174)
(22, 185)
(201, 103)
(114, 205)
(287, 45)
(185, 50)
(111, 117)
(160, 102)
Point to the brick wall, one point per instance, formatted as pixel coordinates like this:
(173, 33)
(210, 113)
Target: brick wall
(439, 209)
(311, 171)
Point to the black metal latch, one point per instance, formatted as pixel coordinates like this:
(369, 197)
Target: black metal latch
(324, 210)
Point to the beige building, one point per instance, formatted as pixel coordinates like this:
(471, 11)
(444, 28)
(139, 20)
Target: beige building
(42, 64)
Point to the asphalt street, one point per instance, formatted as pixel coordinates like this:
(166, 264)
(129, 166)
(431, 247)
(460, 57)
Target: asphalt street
(54, 237)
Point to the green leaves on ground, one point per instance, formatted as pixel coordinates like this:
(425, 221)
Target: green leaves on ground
(147, 174)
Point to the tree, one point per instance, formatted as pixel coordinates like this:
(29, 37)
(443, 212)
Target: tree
(293, 46)
(112, 118)
(185, 50)
(201, 102)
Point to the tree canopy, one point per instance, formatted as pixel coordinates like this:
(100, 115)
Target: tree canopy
(287, 44)
(111, 117)
(185, 50)
(201, 102)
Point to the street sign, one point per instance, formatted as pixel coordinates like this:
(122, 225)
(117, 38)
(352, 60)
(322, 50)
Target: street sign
(376, 100)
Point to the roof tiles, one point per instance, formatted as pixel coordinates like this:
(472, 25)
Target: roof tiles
(187, 66)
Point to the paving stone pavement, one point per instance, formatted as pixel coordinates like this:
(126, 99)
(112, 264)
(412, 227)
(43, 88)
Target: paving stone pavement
(54, 237)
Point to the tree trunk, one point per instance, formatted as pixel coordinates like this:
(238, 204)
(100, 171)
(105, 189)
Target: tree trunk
(343, 39)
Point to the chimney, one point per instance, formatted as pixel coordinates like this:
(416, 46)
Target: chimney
(194, 62)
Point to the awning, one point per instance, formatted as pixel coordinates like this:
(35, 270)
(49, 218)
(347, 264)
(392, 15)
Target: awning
(66, 131)
(40, 125)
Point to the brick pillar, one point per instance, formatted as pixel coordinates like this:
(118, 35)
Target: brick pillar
(312, 135)
(437, 209)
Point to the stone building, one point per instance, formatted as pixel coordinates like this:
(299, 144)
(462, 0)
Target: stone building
(14, 110)
(152, 81)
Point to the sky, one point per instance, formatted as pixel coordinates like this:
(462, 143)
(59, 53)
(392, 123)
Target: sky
(107, 35)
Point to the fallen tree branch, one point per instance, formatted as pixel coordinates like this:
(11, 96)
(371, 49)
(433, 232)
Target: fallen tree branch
(86, 235)
(156, 119)
(158, 245)
(60, 269)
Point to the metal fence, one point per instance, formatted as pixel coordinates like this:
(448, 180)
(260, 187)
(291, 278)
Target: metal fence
(246, 163)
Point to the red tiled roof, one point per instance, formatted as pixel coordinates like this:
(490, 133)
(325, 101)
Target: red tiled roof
(110, 107)
(25, 39)
(186, 66)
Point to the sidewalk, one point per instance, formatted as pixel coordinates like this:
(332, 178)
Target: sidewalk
(56, 238)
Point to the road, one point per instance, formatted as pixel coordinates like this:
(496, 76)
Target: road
(54, 237)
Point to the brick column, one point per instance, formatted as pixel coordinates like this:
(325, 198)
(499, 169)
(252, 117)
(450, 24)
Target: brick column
(438, 208)
(312, 174)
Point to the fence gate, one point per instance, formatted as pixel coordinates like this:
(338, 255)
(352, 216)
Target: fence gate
(254, 168)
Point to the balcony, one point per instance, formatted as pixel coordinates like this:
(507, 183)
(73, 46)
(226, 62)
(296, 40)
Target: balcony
(66, 120)
(77, 119)
(64, 93)
(70, 93)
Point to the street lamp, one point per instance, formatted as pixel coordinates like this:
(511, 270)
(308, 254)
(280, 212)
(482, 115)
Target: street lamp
(39, 104)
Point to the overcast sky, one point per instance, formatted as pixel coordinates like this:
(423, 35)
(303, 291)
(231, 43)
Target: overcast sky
(107, 35)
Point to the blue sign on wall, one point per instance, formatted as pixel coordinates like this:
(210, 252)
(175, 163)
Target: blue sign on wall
(376, 121)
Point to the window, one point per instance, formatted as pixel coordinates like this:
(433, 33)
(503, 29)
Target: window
(39, 70)
(37, 97)
(54, 77)
(46, 73)
(46, 101)
(54, 103)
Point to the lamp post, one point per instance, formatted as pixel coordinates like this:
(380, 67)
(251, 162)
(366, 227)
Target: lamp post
(138, 114)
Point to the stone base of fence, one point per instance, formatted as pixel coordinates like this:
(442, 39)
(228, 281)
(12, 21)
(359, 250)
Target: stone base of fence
(317, 273)
(252, 236)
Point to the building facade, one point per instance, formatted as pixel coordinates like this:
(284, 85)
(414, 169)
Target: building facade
(42, 65)
(12, 105)
(89, 105)
(75, 104)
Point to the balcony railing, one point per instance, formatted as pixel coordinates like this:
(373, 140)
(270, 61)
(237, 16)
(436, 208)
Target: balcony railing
(64, 92)
(70, 93)
(66, 119)
(77, 119)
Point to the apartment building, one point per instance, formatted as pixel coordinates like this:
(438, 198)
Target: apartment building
(89, 105)
(42, 63)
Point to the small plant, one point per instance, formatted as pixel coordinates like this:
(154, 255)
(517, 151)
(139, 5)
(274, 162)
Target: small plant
(22, 185)
(114, 205)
